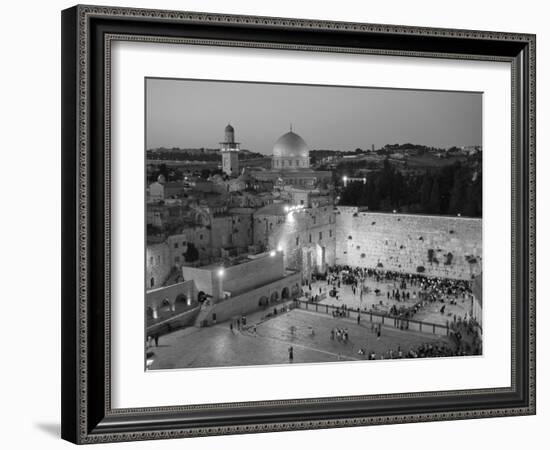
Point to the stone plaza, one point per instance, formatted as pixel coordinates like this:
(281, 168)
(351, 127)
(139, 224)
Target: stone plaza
(267, 340)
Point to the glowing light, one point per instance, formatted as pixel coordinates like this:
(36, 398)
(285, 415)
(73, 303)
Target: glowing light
(458, 214)
(287, 209)
(345, 178)
(221, 272)
(272, 253)
(280, 248)
(394, 211)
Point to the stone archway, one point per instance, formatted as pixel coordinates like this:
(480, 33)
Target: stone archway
(263, 301)
(295, 291)
(181, 302)
(274, 297)
(165, 305)
(285, 293)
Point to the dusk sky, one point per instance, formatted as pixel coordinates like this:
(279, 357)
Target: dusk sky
(192, 113)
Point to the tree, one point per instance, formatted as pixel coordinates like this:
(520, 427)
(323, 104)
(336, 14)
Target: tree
(192, 253)
(435, 198)
(456, 200)
(425, 191)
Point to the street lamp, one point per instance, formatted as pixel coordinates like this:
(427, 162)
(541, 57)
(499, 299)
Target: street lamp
(221, 272)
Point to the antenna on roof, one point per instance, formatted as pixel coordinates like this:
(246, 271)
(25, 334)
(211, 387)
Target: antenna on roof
(290, 126)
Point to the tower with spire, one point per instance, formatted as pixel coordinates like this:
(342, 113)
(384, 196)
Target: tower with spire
(229, 150)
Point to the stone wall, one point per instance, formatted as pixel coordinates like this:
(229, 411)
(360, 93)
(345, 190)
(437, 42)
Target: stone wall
(254, 300)
(249, 275)
(401, 242)
(206, 280)
(156, 298)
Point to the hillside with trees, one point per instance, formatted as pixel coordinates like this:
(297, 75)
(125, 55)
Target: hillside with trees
(449, 190)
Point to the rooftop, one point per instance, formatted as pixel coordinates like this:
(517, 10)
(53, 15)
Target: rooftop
(275, 209)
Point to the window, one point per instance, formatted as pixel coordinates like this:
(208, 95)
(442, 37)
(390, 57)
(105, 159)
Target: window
(175, 245)
(200, 237)
(301, 202)
(158, 259)
(297, 241)
(320, 235)
(151, 261)
(330, 233)
(310, 238)
(152, 281)
(177, 259)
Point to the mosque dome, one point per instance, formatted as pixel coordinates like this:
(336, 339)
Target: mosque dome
(229, 128)
(290, 145)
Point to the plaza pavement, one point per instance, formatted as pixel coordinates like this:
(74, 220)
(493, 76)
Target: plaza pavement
(268, 343)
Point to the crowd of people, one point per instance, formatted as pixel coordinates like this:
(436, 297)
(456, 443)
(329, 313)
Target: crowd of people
(339, 334)
(425, 350)
(401, 288)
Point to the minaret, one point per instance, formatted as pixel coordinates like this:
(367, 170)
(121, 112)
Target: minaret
(230, 153)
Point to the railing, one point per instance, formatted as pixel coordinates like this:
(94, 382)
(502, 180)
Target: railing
(374, 317)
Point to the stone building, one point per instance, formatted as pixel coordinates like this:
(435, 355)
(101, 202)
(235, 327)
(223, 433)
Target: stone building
(162, 189)
(306, 236)
(158, 264)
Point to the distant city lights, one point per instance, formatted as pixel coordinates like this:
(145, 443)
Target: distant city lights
(291, 209)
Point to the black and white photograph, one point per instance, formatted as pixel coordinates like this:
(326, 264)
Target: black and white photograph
(299, 224)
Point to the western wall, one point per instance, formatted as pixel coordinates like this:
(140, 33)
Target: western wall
(444, 246)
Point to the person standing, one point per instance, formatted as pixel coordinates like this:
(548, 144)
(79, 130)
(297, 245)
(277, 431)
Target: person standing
(290, 354)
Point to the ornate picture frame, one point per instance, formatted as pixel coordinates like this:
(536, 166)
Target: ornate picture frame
(88, 33)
